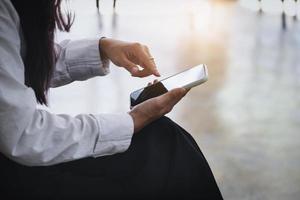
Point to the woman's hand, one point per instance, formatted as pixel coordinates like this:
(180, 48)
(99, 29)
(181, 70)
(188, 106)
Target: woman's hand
(152, 109)
(130, 56)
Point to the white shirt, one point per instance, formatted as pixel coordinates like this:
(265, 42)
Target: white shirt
(35, 137)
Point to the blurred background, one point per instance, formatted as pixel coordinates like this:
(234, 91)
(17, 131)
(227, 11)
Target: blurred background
(246, 118)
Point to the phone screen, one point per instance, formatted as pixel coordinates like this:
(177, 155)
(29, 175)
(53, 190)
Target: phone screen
(187, 79)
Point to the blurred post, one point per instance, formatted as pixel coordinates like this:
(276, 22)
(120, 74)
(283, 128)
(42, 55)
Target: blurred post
(260, 7)
(97, 3)
(283, 17)
(295, 16)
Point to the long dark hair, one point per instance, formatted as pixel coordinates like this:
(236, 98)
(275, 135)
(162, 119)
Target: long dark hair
(38, 19)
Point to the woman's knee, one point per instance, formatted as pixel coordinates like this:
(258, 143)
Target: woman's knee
(163, 130)
(166, 130)
(163, 125)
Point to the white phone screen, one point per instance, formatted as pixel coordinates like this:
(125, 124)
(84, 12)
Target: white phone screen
(185, 78)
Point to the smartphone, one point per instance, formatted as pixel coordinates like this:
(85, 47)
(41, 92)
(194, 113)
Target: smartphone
(186, 79)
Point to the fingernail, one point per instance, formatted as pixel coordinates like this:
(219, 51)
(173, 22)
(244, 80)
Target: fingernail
(134, 71)
(157, 72)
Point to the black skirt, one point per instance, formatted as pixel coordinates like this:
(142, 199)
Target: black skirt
(163, 161)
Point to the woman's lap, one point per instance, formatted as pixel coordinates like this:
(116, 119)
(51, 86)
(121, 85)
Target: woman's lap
(163, 159)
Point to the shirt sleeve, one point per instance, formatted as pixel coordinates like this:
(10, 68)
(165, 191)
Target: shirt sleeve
(77, 61)
(35, 137)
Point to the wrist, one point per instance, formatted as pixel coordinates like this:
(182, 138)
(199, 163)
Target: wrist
(103, 46)
(139, 120)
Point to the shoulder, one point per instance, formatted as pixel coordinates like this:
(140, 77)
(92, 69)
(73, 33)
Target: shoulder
(9, 24)
(8, 14)
(10, 37)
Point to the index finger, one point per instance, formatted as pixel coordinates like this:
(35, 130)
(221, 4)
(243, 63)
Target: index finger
(142, 73)
(148, 63)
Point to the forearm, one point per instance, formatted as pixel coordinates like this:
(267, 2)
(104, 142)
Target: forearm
(77, 61)
(48, 139)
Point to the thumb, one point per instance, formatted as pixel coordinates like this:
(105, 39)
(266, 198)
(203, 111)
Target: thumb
(173, 96)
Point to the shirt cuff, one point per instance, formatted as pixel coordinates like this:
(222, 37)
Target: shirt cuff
(115, 134)
(83, 60)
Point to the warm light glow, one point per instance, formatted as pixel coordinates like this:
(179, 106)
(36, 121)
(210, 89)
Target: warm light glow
(201, 16)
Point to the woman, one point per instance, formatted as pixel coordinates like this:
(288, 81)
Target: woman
(139, 153)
